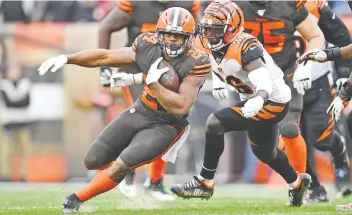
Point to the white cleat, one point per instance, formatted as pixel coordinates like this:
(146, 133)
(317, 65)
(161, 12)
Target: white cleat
(157, 191)
(130, 191)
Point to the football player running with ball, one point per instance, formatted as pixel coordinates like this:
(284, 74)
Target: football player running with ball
(154, 123)
(246, 66)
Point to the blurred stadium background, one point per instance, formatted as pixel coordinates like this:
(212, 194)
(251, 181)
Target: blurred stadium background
(67, 109)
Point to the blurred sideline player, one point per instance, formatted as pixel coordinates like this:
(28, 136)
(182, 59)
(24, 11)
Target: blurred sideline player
(238, 59)
(155, 122)
(133, 16)
(274, 24)
(316, 125)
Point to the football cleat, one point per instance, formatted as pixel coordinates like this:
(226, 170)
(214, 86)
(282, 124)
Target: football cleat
(157, 190)
(297, 194)
(194, 189)
(316, 194)
(71, 204)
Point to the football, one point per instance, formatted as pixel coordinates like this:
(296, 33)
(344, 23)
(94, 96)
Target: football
(169, 79)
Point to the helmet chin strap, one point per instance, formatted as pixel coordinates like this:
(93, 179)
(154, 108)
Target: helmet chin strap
(216, 47)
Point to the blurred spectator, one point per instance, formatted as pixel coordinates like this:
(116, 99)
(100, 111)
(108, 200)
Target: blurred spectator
(60, 11)
(14, 118)
(16, 11)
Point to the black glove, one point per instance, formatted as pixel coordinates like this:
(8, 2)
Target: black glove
(333, 54)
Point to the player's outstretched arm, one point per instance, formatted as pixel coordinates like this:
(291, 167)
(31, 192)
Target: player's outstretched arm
(91, 58)
(330, 54)
(179, 103)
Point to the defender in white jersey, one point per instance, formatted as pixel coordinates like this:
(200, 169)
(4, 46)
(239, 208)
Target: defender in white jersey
(317, 126)
(238, 59)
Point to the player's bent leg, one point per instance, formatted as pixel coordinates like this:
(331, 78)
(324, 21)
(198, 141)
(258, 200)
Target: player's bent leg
(224, 120)
(294, 143)
(147, 146)
(106, 148)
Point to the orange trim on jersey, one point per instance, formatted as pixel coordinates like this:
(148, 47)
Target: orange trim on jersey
(275, 109)
(290, 75)
(127, 95)
(326, 133)
(265, 114)
(237, 109)
(255, 118)
(125, 5)
(148, 27)
(314, 6)
(252, 143)
(201, 66)
(195, 8)
(151, 104)
(300, 4)
(172, 143)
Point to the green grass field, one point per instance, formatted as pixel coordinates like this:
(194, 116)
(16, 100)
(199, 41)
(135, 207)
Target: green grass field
(46, 199)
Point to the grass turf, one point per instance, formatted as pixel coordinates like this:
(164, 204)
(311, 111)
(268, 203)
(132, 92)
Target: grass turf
(46, 199)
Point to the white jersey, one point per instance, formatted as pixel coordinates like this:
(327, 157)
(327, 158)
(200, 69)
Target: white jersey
(230, 69)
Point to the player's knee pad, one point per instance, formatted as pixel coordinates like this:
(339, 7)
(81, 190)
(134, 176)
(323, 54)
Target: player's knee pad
(264, 155)
(98, 155)
(214, 126)
(118, 170)
(289, 130)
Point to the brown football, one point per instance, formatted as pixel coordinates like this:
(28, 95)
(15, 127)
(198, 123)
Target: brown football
(169, 79)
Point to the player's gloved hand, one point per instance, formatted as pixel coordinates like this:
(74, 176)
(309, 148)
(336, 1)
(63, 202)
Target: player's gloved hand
(252, 106)
(105, 75)
(302, 79)
(320, 55)
(154, 73)
(54, 63)
(337, 107)
(219, 89)
(122, 79)
(339, 83)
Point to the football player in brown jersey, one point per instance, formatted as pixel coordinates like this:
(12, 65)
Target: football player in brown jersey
(155, 122)
(131, 15)
(238, 59)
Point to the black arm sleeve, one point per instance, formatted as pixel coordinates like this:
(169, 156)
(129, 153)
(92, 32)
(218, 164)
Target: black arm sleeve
(336, 33)
(334, 29)
(299, 16)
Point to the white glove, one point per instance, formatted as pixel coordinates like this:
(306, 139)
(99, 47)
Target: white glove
(302, 79)
(313, 55)
(339, 83)
(252, 106)
(154, 73)
(219, 88)
(54, 62)
(121, 79)
(336, 108)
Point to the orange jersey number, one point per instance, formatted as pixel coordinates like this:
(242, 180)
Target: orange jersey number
(238, 84)
(272, 44)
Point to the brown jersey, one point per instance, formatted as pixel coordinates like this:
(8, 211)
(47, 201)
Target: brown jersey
(193, 62)
(145, 14)
(274, 24)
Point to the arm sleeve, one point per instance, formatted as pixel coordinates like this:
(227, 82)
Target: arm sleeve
(300, 13)
(251, 50)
